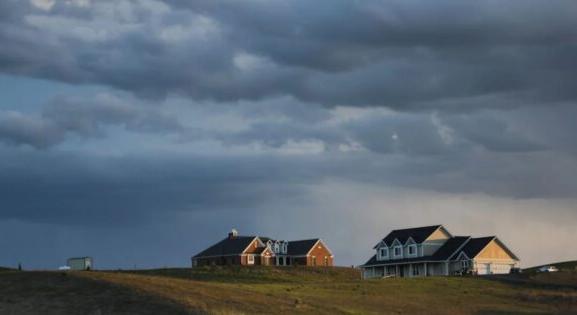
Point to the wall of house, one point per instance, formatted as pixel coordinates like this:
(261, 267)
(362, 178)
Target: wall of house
(434, 242)
(299, 261)
(455, 266)
(436, 269)
(319, 256)
(494, 250)
(267, 258)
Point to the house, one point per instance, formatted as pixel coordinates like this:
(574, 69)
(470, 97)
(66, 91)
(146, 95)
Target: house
(433, 251)
(79, 263)
(255, 250)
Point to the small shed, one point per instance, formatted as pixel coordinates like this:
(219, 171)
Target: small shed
(80, 263)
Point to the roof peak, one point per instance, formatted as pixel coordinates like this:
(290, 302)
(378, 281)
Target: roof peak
(420, 227)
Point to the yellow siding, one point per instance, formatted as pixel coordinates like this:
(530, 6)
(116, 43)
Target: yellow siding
(435, 241)
(439, 234)
(494, 251)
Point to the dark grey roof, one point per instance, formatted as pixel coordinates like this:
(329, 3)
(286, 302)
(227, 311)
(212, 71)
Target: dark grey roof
(450, 247)
(298, 248)
(418, 234)
(265, 239)
(475, 245)
(227, 246)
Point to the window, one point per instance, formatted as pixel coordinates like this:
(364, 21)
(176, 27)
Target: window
(314, 260)
(250, 259)
(326, 261)
(276, 248)
(398, 251)
(412, 250)
(465, 264)
(383, 253)
(284, 248)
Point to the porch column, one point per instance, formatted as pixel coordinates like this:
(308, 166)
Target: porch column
(396, 270)
(426, 271)
(411, 270)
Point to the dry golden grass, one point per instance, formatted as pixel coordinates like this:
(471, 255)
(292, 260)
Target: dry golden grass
(338, 291)
(277, 291)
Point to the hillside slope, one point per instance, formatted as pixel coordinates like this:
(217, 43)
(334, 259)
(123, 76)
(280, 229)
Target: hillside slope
(61, 293)
(272, 291)
(339, 291)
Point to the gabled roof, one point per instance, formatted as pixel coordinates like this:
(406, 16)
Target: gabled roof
(300, 248)
(475, 245)
(451, 246)
(418, 234)
(228, 246)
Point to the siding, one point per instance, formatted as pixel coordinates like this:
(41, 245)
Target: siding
(494, 251)
(434, 242)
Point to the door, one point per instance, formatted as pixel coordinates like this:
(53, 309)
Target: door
(484, 269)
(501, 268)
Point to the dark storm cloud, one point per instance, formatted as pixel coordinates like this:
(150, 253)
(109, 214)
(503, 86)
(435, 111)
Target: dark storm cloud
(85, 190)
(65, 116)
(89, 190)
(400, 54)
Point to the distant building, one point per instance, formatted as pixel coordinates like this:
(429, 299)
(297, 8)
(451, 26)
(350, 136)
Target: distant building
(255, 250)
(433, 251)
(80, 263)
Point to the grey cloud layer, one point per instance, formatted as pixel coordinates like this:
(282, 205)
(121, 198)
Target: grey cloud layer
(66, 116)
(400, 54)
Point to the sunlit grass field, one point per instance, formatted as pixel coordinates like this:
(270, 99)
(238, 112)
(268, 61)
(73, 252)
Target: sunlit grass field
(299, 290)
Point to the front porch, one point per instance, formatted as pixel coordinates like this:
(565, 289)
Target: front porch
(409, 270)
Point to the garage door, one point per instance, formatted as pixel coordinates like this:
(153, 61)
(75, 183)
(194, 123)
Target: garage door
(483, 269)
(500, 268)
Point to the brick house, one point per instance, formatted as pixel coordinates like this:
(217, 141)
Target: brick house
(255, 250)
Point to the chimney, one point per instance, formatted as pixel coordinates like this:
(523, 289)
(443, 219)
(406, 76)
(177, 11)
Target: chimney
(232, 234)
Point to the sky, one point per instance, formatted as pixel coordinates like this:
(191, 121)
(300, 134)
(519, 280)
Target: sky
(139, 132)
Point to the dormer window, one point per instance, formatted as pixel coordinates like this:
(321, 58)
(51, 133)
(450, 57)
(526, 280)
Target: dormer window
(383, 253)
(412, 249)
(285, 247)
(276, 248)
(398, 251)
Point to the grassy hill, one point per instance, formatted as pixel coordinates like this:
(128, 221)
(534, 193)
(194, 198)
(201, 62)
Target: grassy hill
(276, 290)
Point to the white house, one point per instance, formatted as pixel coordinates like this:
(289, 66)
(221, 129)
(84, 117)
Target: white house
(433, 251)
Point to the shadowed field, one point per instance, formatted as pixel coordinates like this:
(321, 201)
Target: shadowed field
(292, 290)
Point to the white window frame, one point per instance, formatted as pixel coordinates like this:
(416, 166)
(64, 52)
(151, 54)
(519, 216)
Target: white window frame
(400, 248)
(380, 254)
(414, 247)
(465, 264)
(276, 248)
(285, 248)
(250, 259)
